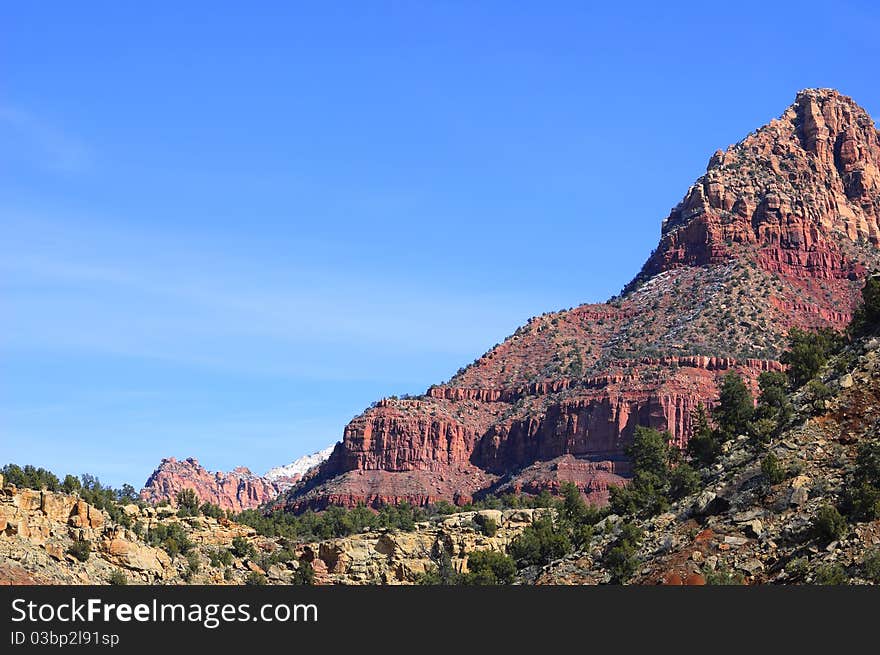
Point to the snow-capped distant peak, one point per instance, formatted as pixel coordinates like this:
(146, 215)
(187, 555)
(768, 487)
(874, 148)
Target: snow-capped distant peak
(298, 468)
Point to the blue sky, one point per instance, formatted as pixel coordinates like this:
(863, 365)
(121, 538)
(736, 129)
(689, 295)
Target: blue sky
(227, 229)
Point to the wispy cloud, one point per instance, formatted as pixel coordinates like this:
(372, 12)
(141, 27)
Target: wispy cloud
(43, 143)
(82, 290)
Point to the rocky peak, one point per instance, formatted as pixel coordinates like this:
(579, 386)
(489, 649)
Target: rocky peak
(834, 129)
(797, 185)
(779, 232)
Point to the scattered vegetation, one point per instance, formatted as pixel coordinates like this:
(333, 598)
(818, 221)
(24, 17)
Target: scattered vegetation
(722, 575)
(333, 522)
(703, 446)
(488, 526)
(81, 550)
(87, 486)
(861, 499)
(772, 469)
(555, 534)
(242, 548)
(774, 409)
(193, 565)
(187, 503)
(660, 475)
(831, 574)
(171, 537)
(213, 511)
(621, 558)
(871, 565)
(818, 393)
(735, 408)
(808, 351)
(541, 542)
(30, 477)
(735, 414)
(489, 567)
(797, 569)
(117, 578)
(485, 567)
(220, 557)
(304, 574)
(341, 522)
(867, 317)
(443, 573)
(829, 524)
(255, 578)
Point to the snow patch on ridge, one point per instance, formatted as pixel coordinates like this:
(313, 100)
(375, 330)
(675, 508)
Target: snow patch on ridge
(298, 467)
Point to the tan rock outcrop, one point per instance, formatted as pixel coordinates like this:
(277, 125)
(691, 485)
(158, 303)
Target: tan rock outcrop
(395, 557)
(137, 556)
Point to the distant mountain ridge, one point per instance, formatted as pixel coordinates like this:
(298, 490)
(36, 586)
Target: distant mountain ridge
(236, 490)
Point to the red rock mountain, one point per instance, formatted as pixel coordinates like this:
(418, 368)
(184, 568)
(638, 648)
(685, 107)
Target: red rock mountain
(779, 232)
(237, 490)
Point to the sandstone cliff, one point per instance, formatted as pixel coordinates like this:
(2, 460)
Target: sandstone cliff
(779, 232)
(38, 527)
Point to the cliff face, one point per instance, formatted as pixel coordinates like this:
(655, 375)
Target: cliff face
(38, 527)
(237, 490)
(792, 189)
(779, 232)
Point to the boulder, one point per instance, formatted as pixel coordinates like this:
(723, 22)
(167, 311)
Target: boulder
(28, 500)
(55, 551)
(798, 496)
(86, 516)
(136, 556)
(278, 574)
(57, 506)
(755, 528)
(703, 502)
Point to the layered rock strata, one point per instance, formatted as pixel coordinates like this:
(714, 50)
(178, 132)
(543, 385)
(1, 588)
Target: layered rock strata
(779, 232)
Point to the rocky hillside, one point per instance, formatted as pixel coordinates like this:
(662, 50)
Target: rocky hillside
(402, 556)
(779, 232)
(237, 490)
(43, 538)
(56, 538)
(755, 523)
